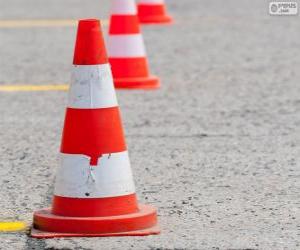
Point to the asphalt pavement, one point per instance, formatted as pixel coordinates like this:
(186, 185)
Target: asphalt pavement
(216, 149)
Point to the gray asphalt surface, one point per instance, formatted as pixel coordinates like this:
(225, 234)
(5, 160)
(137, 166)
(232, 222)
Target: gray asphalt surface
(216, 149)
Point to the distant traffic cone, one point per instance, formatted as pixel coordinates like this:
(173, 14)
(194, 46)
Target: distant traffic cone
(126, 50)
(94, 191)
(153, 12)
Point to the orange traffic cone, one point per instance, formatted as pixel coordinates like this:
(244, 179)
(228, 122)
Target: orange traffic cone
(126, 50)
(94, 191)
(153, 12)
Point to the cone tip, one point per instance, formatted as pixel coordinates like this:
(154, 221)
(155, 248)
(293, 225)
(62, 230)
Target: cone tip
(89, 48)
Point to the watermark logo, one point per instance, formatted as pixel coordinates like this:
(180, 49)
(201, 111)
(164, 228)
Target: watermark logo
(283, 8)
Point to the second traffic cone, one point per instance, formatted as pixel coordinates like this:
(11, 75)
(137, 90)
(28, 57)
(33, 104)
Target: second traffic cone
(126, 50)
(94, 191)
(153, 12)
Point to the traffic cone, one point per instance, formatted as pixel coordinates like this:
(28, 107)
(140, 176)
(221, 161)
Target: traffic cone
(94, 192)
(153, 12)
(126, 50)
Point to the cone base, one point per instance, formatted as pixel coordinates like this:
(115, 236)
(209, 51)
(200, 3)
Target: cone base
(47, 235)
(141, 223)
(156, 20)
(150, 82)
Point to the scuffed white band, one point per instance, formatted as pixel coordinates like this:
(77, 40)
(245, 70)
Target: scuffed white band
(110, 178)
(123, 7)
(126, 46)
(92, 87)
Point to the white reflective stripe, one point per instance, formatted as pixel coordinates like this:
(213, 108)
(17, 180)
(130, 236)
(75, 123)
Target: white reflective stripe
(123, 7)
(151, 1)
(92, 87)
(110, 178)
(126, 46)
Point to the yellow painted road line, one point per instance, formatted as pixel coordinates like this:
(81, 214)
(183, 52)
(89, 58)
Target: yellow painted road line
(16, 88)
(12, 226)
(45, 23)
